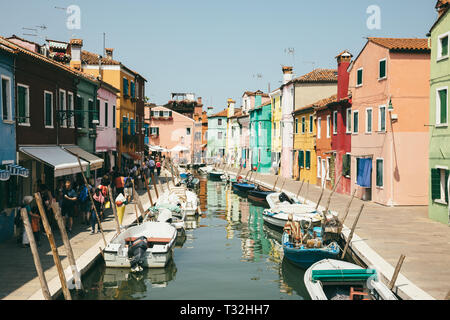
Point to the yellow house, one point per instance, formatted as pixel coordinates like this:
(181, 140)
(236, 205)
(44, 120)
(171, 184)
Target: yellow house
(131, 94)
(276, 97)
(305, 164)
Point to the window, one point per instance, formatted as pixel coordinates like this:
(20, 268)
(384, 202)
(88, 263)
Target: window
(154, 131)
(379, 173)
(319, 127)
(319, 161)
(328, 168)
(259, 129)
(442, 46)
(296, 125)
(382, 118)
(48, 106)
(359, 77)
(106, 114)
(382, 69)
(439, 185)
(310, 124)
(219, 122)
(303, 124)
(80, 116)
(346, 165)
(328, 126)
(133, 89)
(219, 135)
(348, 120)
(165, 114)
(91, 112)
(441, 106)
(301, 160)
(23, 104)
(335, 123)
(355, 121)
(125, 87)
(114, 116)
(70, 108)
(369, 120)
(307, 159)
(62, 107)
(6, 98)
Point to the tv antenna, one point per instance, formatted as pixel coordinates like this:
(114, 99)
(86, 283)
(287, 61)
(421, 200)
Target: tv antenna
(291, 52)
(313, 63)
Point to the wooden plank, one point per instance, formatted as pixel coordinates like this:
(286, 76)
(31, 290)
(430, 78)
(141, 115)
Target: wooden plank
(35, 253)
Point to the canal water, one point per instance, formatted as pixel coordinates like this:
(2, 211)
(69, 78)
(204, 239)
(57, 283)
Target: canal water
(227, 253)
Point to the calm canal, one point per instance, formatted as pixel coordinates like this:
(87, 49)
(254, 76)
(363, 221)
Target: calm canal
(228, 253)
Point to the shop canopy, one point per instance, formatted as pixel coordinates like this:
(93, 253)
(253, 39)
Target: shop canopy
(156, 148)
(62, 161)
(94, 161)
(131, 156)
(179, 148)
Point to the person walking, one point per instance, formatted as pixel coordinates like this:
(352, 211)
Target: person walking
(68, 204)
(158, 167)
(26, 203)
(151, 165)
(119, 182)
(84, 203)
(36, 224)
(99, 201)
(128, 188)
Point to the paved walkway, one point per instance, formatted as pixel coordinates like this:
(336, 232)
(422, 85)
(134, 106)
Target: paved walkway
(18, 276)
(390, 232)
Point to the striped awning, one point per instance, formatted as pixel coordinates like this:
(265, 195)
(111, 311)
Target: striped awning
(94, 161)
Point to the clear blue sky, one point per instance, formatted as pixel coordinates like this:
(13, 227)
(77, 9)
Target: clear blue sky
(216, 48)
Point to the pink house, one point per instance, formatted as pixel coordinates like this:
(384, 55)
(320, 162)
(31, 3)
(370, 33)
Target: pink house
(170, 129)
(105, 143)
(389, 82)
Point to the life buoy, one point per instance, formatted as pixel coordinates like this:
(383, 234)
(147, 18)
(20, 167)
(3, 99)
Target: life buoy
(239, 179)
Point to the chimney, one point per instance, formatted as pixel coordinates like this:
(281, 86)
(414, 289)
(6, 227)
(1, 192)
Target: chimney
(441, 7)
(258, 97)
(210, 111)
(199, 106)
(287, 74)
(231, 104)
(343, 61)
(75, 48)
(109, 53)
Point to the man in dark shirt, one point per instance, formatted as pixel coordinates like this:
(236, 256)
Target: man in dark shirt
(68, 204)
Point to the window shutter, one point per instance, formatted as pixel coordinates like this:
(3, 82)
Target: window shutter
(308, 159)
(379, 173)
(443, 101)
(446, 185)
(301, 160)
(157, 131)
(345, 165)
(170, 113)
(435, 184)
(382, 69)
(444, 45)
(359, 76)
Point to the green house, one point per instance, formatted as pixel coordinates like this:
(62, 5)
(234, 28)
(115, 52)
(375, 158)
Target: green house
(439, 151)
(261, 135)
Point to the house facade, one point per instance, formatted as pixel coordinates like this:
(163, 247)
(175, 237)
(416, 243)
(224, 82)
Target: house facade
(276, 99)
(261, 136)
(217, 129)
(233, 141)
(287, 123)
(439, 132)
(389, 82)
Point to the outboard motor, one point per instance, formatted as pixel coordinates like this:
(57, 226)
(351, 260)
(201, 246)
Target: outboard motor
(283, 197)
(136, 253)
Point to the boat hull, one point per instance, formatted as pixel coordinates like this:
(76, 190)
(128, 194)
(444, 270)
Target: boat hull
(152, 260)
(215, 175)
(243, 187)
(304, 258)
(259, 196)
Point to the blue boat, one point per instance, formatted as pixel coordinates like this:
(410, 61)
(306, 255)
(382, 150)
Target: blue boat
(259, 195)
(243, 187)
(183, 175)
(305, 257)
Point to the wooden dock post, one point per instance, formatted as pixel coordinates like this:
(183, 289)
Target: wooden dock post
(323, 188)
(138, 201)
(92, 200)
(273, 189)
(114, 209)
(348, 207)
(282, 186)
(300, 189)
(154, 185)
(331, 194)
(307, 191)
(35, 253)
(66, 241)
(351, 232)
(51, 240)
(397, 271)
(148, 191)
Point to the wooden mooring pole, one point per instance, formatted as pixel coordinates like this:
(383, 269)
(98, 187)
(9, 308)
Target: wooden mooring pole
(397, 271)
(273, 189)
(114, 209)
(51, 240)
(300, 189)
(324, 183)
(148, 191)
(282, 186)
(352, 232)
(138, 201)
(35, 253)
(154, 185)
(331, 194)
(348, 207)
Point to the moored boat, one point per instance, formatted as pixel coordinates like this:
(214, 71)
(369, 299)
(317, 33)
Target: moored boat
(216, 174)
(160, 238)
(259, 195)
(279, 218)
(243, 188)
(331, 279)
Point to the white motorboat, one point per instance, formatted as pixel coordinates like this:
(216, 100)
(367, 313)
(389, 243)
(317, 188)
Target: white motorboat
(331, 279)
(279, 218)
(205, 170)
(165, 215)
(273, 199)
(188, 200)
(160, 236)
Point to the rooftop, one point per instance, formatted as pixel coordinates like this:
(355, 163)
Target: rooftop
(317, 75)
(402, 44)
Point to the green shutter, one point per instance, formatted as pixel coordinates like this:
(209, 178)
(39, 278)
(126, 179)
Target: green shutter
(355, 122)
(308, 159)
(443, 103)
(383, 119)
(360, 77)
(446, 185)
(345, 164)
(48, 109)
(21, 103)
(301, 161)
(435, 184)
(379, 173)
(382, 69)
(444, 45)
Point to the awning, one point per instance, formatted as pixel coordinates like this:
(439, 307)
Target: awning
(179, 149)
(156, 148)
(94, 161)
(131, 155)
(62, 161)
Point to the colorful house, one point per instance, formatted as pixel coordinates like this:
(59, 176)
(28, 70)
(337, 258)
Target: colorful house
(439, 132)
(305, 165)
(287, 123)
(276, 130)
(233, 142)
(390, 137)
(217, 129)
(261, 136)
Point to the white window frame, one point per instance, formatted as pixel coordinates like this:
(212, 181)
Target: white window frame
(52, 125)
(328, 126)
(319, 171)
(438, 108)
(439, 57)
(367, 120)
(362, 78)
(348, 120)
(9, 98)
(335, 122)
(63, 107)
(311, 124)
(376, 173)
(27, 107)
(442, 183)
(319, 127)
(70, 97)
(353, 123)
(385, 69)
(379, 118)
